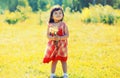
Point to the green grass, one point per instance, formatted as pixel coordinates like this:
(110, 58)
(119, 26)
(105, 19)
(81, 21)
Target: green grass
(94, 50)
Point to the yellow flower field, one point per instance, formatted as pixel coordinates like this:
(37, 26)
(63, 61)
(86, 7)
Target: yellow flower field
(94, 49)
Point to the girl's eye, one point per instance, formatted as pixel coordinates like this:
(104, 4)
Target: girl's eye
(55, 12)
(60, 13)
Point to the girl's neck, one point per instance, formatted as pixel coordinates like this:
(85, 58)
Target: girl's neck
(57, 23)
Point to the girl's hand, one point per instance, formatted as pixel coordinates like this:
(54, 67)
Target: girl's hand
(56, 38)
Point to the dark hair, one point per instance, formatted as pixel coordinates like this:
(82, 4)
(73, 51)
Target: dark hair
(51, 14)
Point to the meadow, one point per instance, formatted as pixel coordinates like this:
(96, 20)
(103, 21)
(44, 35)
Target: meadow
(93, 49)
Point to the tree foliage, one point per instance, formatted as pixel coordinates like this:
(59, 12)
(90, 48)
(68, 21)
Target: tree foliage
(74, 5)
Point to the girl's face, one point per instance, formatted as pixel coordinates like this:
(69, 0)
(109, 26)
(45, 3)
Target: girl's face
(57, 15)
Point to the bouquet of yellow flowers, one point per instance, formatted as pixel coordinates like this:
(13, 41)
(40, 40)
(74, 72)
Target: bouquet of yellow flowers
(53, 30)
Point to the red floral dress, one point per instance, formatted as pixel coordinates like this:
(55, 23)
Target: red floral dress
(56, 52)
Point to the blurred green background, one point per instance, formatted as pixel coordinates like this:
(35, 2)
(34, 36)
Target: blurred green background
(74, 5)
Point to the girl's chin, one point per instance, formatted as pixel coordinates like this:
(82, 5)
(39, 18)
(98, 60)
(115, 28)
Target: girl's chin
(58, 19)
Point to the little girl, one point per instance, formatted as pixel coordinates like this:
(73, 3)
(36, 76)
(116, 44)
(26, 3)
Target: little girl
(57, 34)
